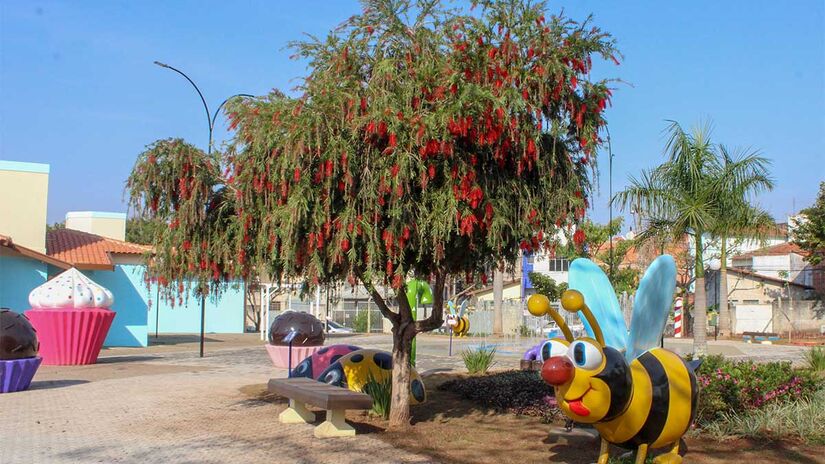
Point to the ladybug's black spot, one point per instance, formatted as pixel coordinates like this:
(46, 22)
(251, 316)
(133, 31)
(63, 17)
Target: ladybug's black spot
(383, 360)
(323, 350)
(353, 348)
(304, 369)
(357, 358)
(335, 358)
(417, 390)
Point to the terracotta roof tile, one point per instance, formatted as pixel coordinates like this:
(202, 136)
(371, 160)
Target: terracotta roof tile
(85, 250)
(775, 250)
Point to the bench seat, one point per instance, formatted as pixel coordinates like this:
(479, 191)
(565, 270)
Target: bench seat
(335, 400)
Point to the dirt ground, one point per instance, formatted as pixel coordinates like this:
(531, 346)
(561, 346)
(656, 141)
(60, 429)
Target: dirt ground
(449, 429)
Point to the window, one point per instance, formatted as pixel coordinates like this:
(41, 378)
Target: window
(558, 265)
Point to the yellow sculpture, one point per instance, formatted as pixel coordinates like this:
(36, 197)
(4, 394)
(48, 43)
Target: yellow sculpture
(646, 403)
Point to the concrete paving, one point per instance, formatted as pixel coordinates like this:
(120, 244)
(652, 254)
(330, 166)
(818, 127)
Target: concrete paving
(165, 404)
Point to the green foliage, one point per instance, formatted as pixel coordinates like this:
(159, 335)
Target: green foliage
(381, 393)
(143, 231)
(480, 360)
(810, 233)
(796, 420)
(735, 386)
(423, 139)
(524, 331)
(359, 324)
(55, 226)
(517, 392)
(547, 286)
(815, 359)
(625, 280)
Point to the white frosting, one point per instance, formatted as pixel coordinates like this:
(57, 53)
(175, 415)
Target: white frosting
(70, 289)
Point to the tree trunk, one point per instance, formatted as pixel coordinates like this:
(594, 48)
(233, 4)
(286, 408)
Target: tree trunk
(498, 296)
(400, 404)
(724, 310)
(700, 310)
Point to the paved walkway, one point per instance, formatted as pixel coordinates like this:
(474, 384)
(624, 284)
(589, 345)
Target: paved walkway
(164, 404)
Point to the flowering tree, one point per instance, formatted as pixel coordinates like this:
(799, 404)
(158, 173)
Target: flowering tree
(424, 142)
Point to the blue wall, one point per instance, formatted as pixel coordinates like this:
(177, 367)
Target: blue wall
(224, 315)
(18, 277)
(126, 284)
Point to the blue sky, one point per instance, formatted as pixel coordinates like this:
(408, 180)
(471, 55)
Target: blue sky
(78, 89)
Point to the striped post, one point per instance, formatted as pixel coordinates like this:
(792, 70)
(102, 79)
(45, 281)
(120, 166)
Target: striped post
(677, 318)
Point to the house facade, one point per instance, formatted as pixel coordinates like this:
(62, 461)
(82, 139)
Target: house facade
(94, 243)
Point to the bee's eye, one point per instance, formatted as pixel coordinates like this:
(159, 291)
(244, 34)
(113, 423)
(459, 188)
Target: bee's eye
(585, 355)
(553, 348)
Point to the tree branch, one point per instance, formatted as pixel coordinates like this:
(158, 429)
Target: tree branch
(436, 318)
(379, 300)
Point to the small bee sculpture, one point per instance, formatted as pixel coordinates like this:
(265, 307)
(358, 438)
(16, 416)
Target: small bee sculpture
(637, 395)
(458, 323)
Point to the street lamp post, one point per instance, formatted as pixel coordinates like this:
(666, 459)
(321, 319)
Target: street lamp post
(210, 121)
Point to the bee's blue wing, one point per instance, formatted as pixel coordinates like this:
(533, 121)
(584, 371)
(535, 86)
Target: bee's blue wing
(463, 307)
(591, 281)
(652, 306)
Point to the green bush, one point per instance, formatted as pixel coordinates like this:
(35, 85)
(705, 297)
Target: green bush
(729, 387)
(815, 359)
(517, 392)
(381, 393)
(801, 420)
(479, 361)
(359, 324)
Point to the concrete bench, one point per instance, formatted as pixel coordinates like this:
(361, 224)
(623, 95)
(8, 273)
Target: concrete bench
(336, 400)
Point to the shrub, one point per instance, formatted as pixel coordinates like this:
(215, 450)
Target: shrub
(517, 392)
(381, 393)
(800, 420)
(479, 361)
(815, 359)
(729, 386)
(359, 324)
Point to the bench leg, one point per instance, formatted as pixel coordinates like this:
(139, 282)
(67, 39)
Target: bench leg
(296, 413)
(334, 426)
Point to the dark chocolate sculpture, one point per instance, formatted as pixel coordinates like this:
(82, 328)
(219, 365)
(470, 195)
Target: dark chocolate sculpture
(309, 330)
(18, 338)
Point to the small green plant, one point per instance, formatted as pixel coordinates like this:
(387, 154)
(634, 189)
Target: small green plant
(359, 324)
(525, 331)
(381, 393)
(815, 359)
(480, 360)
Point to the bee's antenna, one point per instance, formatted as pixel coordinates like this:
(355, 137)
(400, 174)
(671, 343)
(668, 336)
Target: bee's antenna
(573, 301)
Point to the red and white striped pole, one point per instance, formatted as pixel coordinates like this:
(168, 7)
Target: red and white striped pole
(677, 318)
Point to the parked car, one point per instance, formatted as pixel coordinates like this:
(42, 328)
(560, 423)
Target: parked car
(336, 328)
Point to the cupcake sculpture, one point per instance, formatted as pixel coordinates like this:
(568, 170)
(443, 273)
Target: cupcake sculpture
(71, 315)
(18, 352)
(309, 338)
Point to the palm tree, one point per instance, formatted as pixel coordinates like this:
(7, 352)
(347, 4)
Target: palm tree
(681, 197)
(744, 174)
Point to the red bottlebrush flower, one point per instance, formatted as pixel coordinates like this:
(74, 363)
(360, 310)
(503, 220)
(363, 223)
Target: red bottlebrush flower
(492, 52)
(525, 94)
(573, 83)
(389, 267)
(530, 53)
(578, 237)
(370, 29)
(483, 279)
(405, 233)
(341, 186)
(202, 265)
(363, 105)
(345, 244)
(396, 281)
(393, 140)
(431, 171)
(328, 167)
(187, 245)
(531, 148)
(382, 129)
(480, 41)
(297, 175)
(174, 223)
(394, 170)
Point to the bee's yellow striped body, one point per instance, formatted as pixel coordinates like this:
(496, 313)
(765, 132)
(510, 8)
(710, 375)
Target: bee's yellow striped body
(662, 406)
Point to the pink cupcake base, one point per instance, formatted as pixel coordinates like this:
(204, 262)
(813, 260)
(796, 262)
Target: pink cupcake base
(280, 354)
(70, 337)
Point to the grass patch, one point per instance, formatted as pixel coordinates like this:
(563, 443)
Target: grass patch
(381, 393)
(815, 359)
(480, 360)
(797, 420)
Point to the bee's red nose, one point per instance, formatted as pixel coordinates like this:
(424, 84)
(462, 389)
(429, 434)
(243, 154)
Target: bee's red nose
(557, 370)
